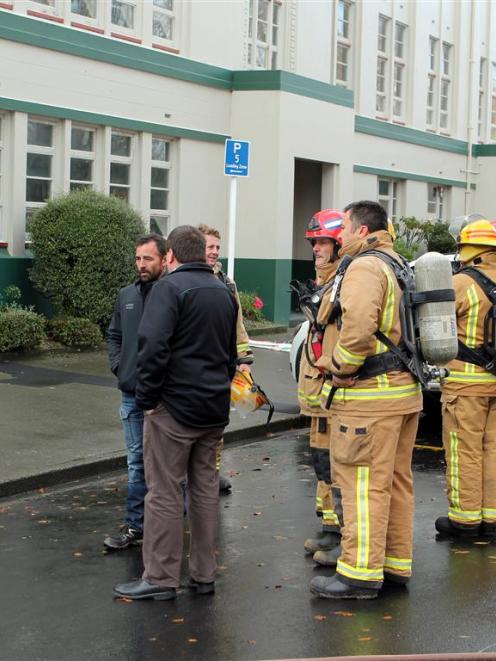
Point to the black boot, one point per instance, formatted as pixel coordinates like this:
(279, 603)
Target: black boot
(333, 588)
(446, 527)
(488, 529)
(325, 541)
(225, 485)
(328, 558)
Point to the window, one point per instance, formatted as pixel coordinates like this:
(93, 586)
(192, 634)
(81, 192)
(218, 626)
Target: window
(388, 196)
(436, 196)
(430, 117)
(493, 101)
(481, 111)
(399, 70)
(86, 8)
(343, 48)
(382, 66)
(82, 158)
(123, 14)
(39, 162)
(263, 34)
(444, 96)
(163, 19)
(159, 190)
(121, 150)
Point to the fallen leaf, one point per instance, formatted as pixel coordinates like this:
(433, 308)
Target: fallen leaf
(342, 613)
(152, 640)
(257, 513)
(192, 640)
(460, 552)
(364, 639)
(279, 538)
(481, 543)
(260, 564)
(41, 490)
(256, 469)
(221, 567)
(266, 459)
(178, 620)
(277, 587)
(320, 617)
(43, 521)
(77, 554)
(124, 600)
(387, 617)
(251, 642)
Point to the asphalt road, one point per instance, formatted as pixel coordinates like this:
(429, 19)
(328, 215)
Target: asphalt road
(56, 587)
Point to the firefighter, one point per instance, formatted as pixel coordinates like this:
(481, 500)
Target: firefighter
(323, 233)
(469, 392)
(375, 408)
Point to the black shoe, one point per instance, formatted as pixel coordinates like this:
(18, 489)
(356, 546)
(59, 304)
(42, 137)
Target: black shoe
(128, 536)
(325, 541)
(444, 526)
(225, 485)
(201, 588)
(397, 579)
(144, 590)
(488, 529)
(328, 558)
(333, 588)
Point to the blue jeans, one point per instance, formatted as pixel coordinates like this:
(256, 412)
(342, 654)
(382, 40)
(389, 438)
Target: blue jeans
(132, 423)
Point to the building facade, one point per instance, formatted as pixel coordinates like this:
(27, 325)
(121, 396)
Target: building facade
(393, 100)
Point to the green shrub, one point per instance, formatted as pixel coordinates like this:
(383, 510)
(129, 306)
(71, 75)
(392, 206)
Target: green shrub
(20, 329)
(10, 297)
(439, 238)
(83, 246)
(75, 332)
(251, 305)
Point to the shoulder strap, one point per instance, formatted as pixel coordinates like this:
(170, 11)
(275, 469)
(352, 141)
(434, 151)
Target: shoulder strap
(487, 285)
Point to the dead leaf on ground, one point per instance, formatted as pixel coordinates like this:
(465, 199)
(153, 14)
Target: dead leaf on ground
(192, 640)
(124, 600)
(319, 618)
(257, 513)
(364, 639)
(260, 564)
(342, 613)
(43, 521)
(42, 490)
(481, 543)
(251, 642)
(460, 552)
(266, 459)
(277, 587)
(279, 538)
(152, 640)
(178, 620)
(387, 617)
(77, 554)
(221, 567)
(233, 473)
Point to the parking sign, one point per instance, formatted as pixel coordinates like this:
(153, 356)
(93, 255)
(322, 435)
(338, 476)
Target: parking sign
(237, 156)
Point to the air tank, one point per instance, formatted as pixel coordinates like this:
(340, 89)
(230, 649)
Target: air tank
(436, 320)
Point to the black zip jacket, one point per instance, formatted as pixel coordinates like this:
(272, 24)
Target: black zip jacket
(187, 347)
(122, 337)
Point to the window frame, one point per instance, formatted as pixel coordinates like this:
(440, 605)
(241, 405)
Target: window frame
(382, 60)
(164, 214)
(445, 83)
(122, 160)
(86, 20)
(83, 155)
(399, 65)
(41, 150)
(272, 50)
(172, 14)
(432, 77)
(436, 204)
(390, 201)
(344, 42)
(136, 31)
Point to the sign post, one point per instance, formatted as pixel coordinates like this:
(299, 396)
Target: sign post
(236, 164)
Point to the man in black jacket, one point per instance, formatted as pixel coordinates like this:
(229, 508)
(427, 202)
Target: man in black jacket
(122, 343)
(186, 360)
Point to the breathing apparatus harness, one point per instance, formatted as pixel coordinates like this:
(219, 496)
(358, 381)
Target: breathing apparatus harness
(407, 356)
(485, 355)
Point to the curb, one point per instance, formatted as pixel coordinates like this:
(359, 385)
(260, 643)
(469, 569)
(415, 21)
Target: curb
(107, 464)
(271, 330)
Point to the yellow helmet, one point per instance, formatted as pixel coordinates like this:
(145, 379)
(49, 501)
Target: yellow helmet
(478, 233)
(247, 396)
(391, 229)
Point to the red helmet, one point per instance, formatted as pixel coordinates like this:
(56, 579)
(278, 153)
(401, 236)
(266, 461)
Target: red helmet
(326, 224)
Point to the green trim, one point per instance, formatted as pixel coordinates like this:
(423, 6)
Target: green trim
(108, 120)
(484, 150)
(114, 51)
(413, 136)
(284, 81)
(395, 174)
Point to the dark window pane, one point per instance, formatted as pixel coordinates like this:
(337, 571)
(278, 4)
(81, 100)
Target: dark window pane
(81, 169)
(120, 145)
(40, 134)
(38, 165)
(123, 193)
(160, 178)
(162, 25)
(37, 190)
(160, 150)
(81, 139)
(159, 224)
(84, 8)
(158, 199)
(119, 173)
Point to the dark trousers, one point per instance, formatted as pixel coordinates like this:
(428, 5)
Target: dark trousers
(173, 452)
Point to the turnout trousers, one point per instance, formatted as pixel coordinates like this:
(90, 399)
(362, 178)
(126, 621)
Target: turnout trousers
(371, 460)
(319, 448)
(469, 439)
(173, 452)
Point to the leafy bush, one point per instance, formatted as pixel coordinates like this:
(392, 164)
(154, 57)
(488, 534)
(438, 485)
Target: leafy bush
(20, 329)
(75, 332)
(410, 233)
(439, 239)
(83, 246)
(251, 306)
(10, 298)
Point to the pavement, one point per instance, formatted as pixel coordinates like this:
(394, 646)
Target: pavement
(56, 599)
(59, 415)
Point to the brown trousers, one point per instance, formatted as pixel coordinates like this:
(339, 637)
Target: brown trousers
(372, 467)
(469, 439)
(173, 452)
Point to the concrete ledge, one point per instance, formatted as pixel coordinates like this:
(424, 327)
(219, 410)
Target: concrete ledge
(118, 461)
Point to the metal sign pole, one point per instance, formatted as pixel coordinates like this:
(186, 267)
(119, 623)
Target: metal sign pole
(233, 192)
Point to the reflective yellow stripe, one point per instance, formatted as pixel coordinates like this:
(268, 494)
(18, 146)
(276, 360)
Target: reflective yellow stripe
(371, 394)
(464, 516)
(359, 573)
(488, 513)
(349, 357)
(309, 400)
(330, 516)
(454, 471)
(387, 317)
(400, 564)
(363, 524)
(473, 377)
(473, 313)
(318, 502)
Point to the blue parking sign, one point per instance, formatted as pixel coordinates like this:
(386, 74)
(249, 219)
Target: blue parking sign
(237, 157)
